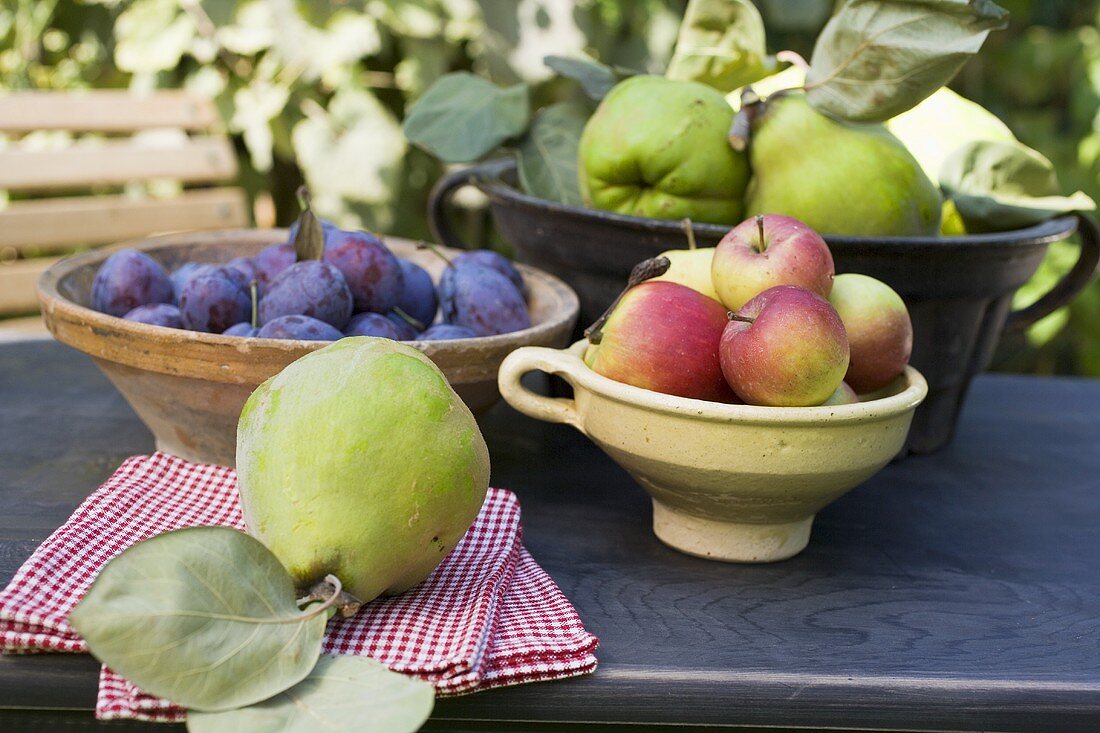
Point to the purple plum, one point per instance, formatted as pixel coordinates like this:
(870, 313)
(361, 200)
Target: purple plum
(446, 332)
(495, 260)
(215, 299)
(371, 324)
(418, 297)
(156, 314)
(405, 330)
(127, 279)
(244, 328)
(270, 261)
(308, 288)
(302, 328)
(372, 272)
(482, 299)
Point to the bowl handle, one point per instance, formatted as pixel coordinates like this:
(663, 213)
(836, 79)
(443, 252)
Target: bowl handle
(438, 221)
(1070, 285)
(552, 361)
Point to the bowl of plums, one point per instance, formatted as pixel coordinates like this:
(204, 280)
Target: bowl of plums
(743, 397)
(186, 326)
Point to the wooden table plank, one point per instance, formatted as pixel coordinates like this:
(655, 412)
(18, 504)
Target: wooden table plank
(959, 591)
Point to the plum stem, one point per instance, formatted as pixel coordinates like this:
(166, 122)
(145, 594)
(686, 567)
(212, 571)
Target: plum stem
(408, 319)
(331, 591)
(435, 251)
(252, 295)
(740, 319)
(685, 224)
(644, 270)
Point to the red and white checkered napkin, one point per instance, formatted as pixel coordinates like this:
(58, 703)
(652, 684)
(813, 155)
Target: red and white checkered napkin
(488, 616)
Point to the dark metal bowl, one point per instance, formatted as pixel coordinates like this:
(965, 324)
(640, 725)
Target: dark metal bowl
(958, 289)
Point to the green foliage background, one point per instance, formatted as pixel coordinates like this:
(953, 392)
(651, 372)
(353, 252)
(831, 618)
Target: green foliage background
(315, 91)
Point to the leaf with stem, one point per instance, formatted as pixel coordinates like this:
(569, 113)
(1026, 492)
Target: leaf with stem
(878, 58)
(206, 617)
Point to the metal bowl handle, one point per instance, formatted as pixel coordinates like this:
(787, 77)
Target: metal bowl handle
(439, 222)
(1070, 285)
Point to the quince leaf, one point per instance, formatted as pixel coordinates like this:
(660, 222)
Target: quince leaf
(721, 44)
(547, 155)
(341, 693)
(596, 79)
(1001, 185)
(877, 58)
(461, 117)
(204, 616)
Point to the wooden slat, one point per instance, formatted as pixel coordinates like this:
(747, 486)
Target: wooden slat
(116, 162)
(88, 220)
(103, 111)
(17, 281)
(25, 328)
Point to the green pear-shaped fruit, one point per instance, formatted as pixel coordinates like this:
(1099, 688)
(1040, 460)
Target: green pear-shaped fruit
(837, 177)
(360, 461)
(656, 147)
(943, 123)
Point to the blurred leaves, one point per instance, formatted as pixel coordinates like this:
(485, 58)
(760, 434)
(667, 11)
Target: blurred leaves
(462, 117)
(547, 155)
(596, 79)
(721, 44)
(1001, 185)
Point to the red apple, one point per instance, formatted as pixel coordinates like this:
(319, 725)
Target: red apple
(879, 330)
(664, 336)
(786, 348)
(766, 251)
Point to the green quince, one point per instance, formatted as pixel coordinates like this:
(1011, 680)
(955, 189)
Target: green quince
(658, 148)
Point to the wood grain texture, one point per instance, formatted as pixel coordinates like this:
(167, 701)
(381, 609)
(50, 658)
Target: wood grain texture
(958, 591)
(103, 110)
(115, 162)
(64, 223)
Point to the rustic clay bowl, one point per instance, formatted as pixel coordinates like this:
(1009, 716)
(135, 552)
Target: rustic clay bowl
(729, 482)
(189, 387)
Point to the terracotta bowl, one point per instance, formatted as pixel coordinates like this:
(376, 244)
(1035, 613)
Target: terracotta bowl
(189, 387)
(729, 482)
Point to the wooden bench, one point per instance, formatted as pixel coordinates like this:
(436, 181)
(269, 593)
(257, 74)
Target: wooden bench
(71, 197)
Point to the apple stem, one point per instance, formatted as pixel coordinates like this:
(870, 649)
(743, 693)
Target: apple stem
(644, 270)
(741, 319)
(435, 251)
(760, 228)
(331, 591)
(685, 224)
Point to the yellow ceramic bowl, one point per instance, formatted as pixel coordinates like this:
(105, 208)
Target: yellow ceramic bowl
(729, 482)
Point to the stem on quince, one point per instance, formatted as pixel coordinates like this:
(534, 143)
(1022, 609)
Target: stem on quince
(740, 131)
(331, 591)
(685, 224)
(644, 270)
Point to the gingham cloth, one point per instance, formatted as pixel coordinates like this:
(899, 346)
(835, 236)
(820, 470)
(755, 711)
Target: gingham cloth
(488, 616)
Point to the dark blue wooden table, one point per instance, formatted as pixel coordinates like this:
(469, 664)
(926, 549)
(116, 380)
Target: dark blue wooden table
(958, 591)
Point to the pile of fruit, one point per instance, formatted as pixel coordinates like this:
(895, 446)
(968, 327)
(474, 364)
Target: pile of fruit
(355, 287)
(729, 131)
(760, 319)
